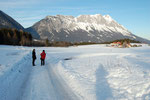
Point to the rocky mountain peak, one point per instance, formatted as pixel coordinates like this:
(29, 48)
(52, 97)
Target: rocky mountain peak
(108, 18)
(83, 28)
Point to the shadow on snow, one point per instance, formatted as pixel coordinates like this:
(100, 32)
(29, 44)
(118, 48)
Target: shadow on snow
(103, 91)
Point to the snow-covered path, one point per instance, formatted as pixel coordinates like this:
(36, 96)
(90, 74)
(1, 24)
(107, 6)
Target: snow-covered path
(39, 86)
(45, 84)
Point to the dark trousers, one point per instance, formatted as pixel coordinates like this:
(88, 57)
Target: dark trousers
(33, 62)
(42, 62)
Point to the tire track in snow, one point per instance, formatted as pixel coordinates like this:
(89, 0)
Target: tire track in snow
(39, 86)
(63, 91)
(44, 84)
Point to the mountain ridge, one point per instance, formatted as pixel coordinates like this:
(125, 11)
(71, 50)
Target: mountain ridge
(83, 28)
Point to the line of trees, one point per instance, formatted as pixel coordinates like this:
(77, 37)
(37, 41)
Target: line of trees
(119, 40)
(15, 37)
(19, 37)
(122, 41)
(67, 44)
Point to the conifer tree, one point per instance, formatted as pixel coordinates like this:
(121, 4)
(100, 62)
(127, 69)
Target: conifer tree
(15, 38)
(23, 40)
(46, 42)
(8, 38)
(1, 38)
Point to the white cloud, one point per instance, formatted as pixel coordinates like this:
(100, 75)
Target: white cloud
(5, 4)
(19, 3)
(29, 18)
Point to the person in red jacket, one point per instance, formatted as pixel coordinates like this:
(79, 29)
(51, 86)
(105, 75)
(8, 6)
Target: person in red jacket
(43, 55)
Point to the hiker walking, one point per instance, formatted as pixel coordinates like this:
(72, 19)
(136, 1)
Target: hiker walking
(43, 55)
(33, 57)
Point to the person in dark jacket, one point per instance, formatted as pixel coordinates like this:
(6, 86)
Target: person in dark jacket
(33, 57)
(43, 55)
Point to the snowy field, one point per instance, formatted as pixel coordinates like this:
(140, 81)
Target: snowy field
(93, 72)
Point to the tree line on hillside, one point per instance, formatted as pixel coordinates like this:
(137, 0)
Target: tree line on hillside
(15, 37)
(19, 37)
(122, 41)
(119, 40)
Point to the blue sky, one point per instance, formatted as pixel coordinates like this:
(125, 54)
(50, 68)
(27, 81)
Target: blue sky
(132, 14)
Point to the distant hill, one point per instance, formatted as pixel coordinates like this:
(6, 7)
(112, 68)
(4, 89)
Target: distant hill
(8, 22)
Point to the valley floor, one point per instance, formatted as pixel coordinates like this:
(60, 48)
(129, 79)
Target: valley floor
(93, 72)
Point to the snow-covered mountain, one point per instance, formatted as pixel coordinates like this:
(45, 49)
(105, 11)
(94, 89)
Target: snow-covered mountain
(7, 22)
(84, 28)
